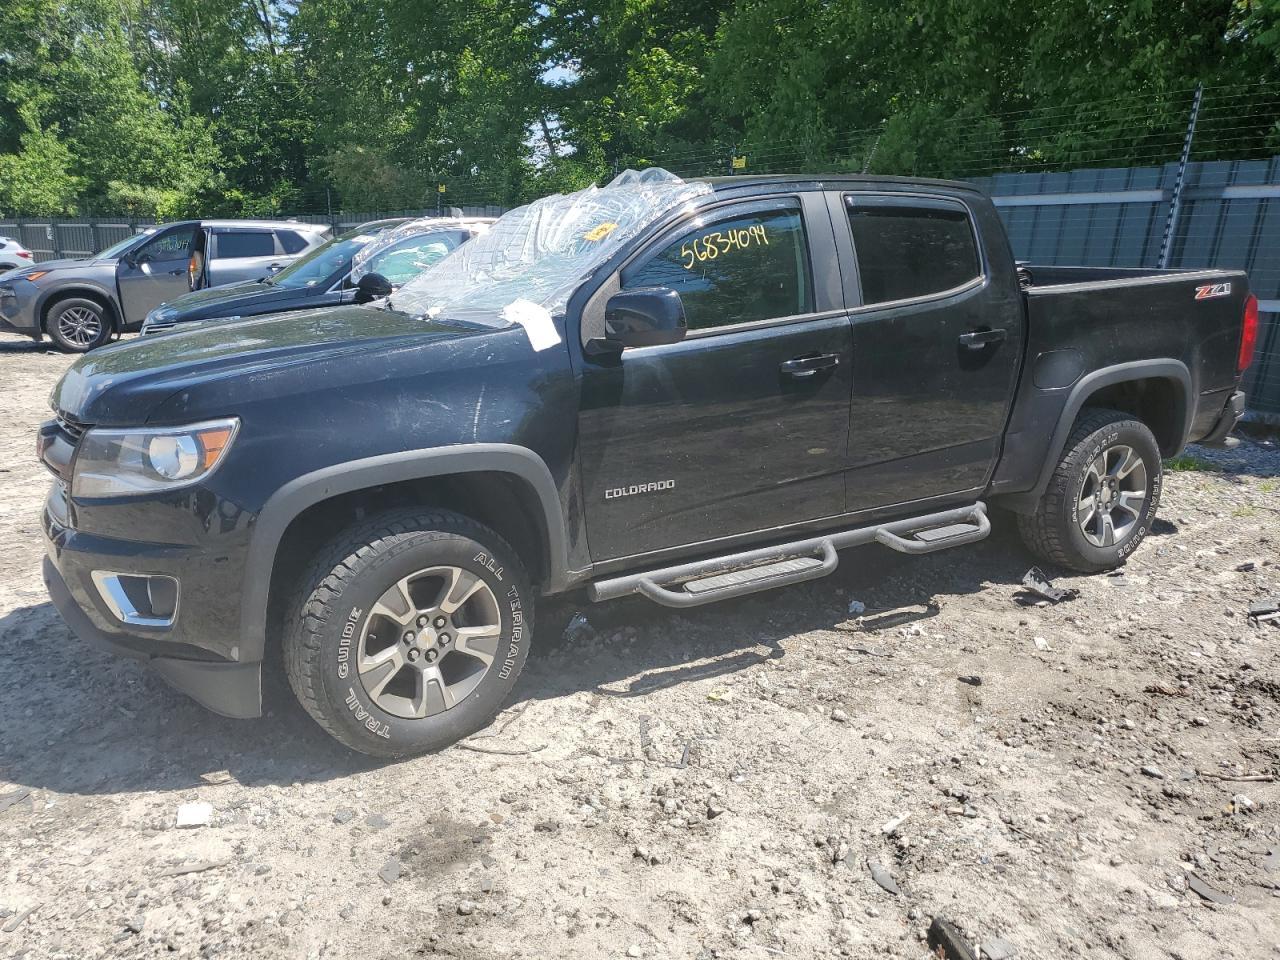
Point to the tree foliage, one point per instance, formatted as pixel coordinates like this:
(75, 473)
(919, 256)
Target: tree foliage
(178, 107)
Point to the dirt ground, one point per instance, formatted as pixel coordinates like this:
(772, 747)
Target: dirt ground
(704, 784)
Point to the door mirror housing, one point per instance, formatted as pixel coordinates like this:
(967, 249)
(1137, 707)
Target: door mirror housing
(373, 286)
(647, 317)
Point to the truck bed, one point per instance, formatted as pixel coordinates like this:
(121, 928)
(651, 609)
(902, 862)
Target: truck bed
(1180, 328)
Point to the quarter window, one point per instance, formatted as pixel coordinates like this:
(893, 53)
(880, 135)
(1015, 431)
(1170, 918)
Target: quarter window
(750, 267)
(291, 242)
(234, 245)
(908, 250)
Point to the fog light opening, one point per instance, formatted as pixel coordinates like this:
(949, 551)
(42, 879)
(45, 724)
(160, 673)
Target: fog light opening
(139, 599)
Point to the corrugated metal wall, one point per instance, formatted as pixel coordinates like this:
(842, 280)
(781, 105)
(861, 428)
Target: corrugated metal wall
(1229, 217)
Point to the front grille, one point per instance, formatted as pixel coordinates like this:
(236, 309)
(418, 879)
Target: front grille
(74, 429)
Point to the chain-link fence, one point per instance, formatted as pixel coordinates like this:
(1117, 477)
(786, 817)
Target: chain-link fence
(1184, 179)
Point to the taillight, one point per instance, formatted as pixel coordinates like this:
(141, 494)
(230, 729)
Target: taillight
(1248, 335)
(25, 254)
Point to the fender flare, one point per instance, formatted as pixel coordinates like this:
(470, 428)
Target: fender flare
(309, 489)
(1090, 384)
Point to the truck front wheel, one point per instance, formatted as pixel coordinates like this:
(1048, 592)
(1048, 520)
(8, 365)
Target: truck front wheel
(409, 631)
(1102, 496)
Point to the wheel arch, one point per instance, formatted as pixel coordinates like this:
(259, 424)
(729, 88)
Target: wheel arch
(1157, 392)
(87, 291)
(509, 487)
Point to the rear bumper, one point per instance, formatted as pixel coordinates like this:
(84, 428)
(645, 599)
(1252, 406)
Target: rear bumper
(1231, 415)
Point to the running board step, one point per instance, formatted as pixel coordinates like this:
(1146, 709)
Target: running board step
(753, 574)
(739, 574)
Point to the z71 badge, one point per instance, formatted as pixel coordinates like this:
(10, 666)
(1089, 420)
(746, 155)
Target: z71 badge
(1213, 290)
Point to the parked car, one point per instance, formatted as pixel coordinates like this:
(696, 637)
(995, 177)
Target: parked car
(81, 304)
(685, 391)
(13, 255)
(396, 249)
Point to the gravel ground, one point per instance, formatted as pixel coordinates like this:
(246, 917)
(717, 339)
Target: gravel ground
(707, 784)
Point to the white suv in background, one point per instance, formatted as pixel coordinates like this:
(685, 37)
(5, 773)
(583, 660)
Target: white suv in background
(13, 255)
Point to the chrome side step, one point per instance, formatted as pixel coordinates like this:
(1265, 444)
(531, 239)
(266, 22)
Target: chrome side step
(750, 571)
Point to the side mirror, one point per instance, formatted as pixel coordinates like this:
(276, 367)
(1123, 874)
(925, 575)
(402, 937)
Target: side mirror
(648, 317)
(373, 286)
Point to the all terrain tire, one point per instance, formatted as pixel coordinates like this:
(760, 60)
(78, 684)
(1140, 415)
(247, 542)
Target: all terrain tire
(409, 631)
(1102, 497)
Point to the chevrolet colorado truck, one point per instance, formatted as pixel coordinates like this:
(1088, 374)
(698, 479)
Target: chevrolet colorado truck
(81, 304)
(689, 391)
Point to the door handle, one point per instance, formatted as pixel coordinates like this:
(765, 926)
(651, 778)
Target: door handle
(808, 366)
(273, 267)
(177, 273)
(977, 339)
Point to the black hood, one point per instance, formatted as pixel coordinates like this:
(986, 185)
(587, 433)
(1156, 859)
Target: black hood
(125, 383)
(236, 299)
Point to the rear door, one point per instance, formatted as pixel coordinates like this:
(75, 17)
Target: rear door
(742, 426)
(937, 336)
(243, 253)
(155, 272)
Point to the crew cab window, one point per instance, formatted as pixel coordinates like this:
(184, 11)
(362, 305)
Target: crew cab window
(754, 266)
(168, 246)
(245, 244)
(911, 249)
(291, 242)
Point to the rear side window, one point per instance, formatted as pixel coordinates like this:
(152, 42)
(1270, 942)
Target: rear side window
(233, 245)
(754, 266)
(291, 242)
(908, 250)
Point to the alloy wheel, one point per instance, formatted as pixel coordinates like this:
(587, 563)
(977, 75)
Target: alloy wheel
(428, 642)
(80, 326)
(1112, 496)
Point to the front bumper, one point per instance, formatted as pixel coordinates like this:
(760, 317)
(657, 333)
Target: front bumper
(1231, 415)
(18, 312)
(186, 654)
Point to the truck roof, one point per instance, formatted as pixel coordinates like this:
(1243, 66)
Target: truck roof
(764, 179)
(274, 224)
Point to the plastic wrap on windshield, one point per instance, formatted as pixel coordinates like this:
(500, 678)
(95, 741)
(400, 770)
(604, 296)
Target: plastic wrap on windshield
(537, 255)
(392, 236)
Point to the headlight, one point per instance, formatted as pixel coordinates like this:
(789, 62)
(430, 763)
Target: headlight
(119, 463)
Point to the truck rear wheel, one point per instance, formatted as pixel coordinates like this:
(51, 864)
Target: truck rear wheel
(409, 631)
(1102, 496)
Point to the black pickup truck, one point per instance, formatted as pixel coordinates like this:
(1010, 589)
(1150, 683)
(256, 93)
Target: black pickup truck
(687, 391)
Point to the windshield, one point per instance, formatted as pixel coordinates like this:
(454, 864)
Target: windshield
(116, 249)
(324, 261)
(540, 253)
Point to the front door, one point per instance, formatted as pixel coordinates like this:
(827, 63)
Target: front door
(936, 343)
(742, 426)
(155, 272)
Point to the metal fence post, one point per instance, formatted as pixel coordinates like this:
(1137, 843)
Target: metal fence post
(1175, 201)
